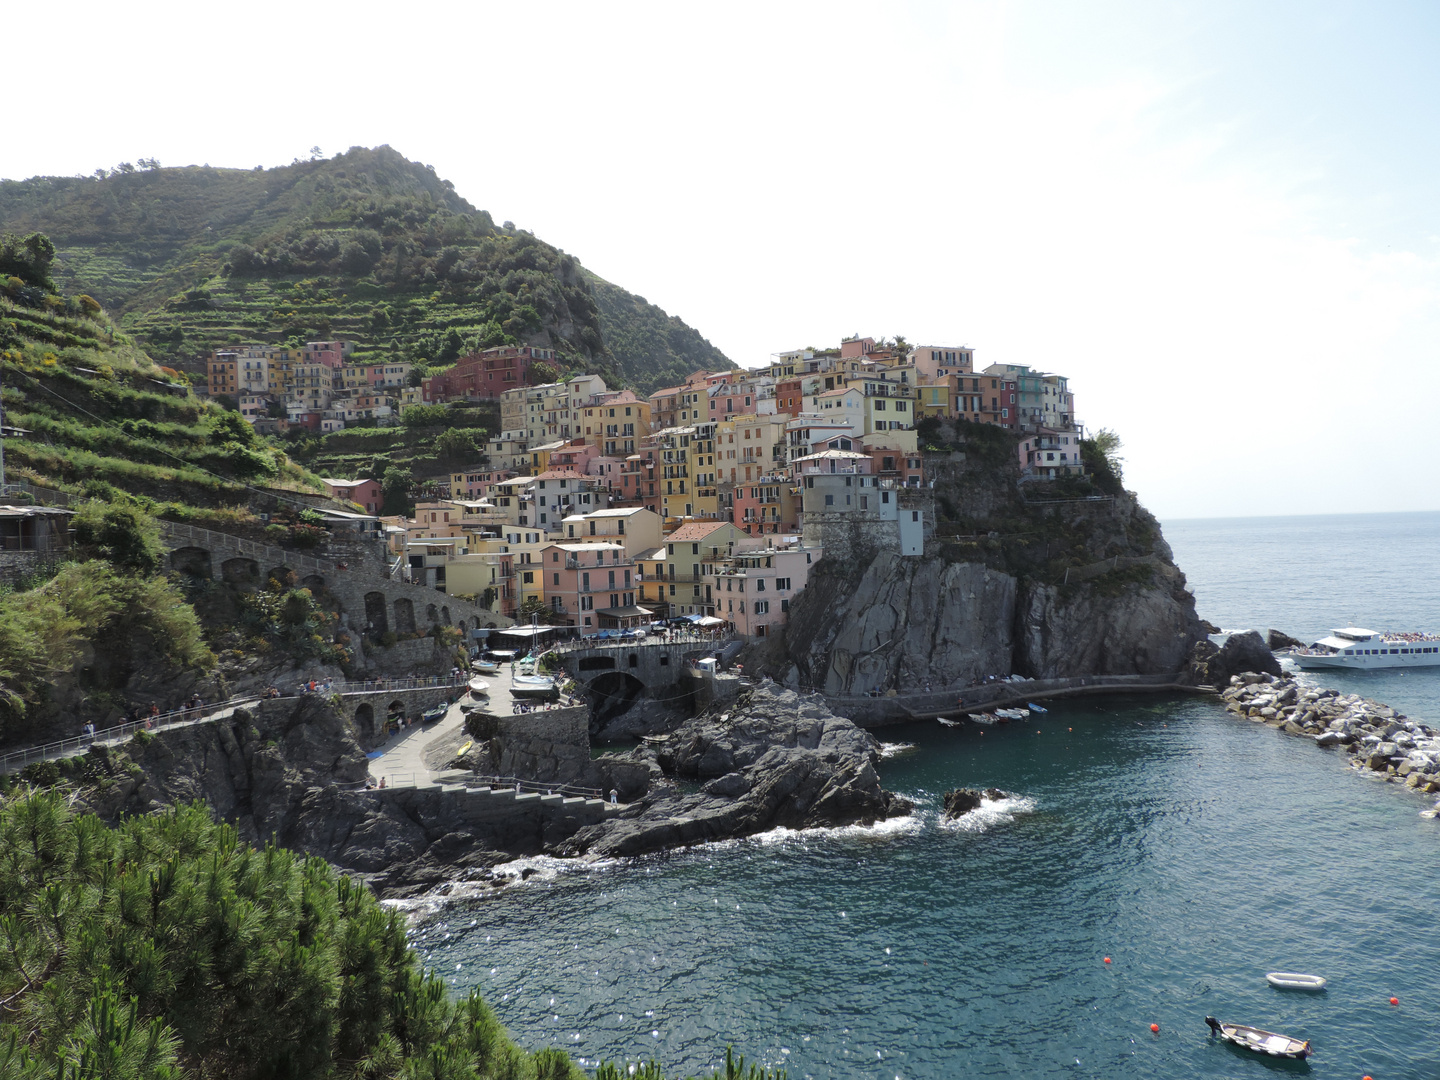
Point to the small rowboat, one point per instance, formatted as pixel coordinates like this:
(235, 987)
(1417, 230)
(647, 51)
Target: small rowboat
(1260, 1040)
(1289, 980)
(1035, 708)
(982, 718)
(478, 687)
(429, 716)
(948, 723)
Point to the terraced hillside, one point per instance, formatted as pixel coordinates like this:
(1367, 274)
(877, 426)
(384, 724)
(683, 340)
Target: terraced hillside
(365, 245)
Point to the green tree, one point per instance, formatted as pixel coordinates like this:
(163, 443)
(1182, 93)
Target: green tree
(1101, 455)
(28, 258)
(395, 491)
(119, 533)
(455, 443)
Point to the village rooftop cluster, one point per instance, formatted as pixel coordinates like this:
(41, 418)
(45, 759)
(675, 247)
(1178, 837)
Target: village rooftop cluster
(606, 510)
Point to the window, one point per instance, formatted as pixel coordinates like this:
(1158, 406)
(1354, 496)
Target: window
(762, 607)
(557, 579)
(829, 500)
(529, 578)
(785, 604)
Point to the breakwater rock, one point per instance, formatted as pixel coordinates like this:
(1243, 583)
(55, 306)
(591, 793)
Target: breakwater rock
(771, 759)
(1375, 736)
(961, 801)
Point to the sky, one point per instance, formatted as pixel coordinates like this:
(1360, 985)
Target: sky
(1219, 219)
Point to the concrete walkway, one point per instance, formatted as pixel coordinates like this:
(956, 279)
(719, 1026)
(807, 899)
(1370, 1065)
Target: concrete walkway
(402, 758)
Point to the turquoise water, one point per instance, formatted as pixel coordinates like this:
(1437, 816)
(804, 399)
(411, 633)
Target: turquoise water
(1195, 850)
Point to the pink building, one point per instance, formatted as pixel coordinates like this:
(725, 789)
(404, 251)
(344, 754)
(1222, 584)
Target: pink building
(765, 506)
(364, 493)
(755, 586)
(591, 585)
(330, 353)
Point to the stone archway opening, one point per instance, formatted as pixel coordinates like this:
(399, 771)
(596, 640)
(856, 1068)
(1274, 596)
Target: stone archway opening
(610, 695)
(431, 613)
(284, 575)
(240, 571)
(445, 616)
(365, 722)
(404, 616)
(313, 582)
(376, 615)
(192, 562)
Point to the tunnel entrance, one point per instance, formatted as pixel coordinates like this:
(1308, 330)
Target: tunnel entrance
(611, 695)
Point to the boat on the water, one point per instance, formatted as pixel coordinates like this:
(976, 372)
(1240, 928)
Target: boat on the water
(1356, 647)
(1035, 708)
(981, 718)
(1291, 980)
(1012, 714)
(1259, 1040)
(532, 686)
(478, 687)
(948, 723)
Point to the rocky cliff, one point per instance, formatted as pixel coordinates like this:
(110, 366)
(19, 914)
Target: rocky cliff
(1041, 580)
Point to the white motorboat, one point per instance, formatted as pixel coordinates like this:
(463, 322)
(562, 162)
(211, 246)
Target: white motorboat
(1356, 647)
(492, 661)
(981, 718)
(1012, 714)
(1290, 980)
(948, 723)
(479, 687)
(532, 686)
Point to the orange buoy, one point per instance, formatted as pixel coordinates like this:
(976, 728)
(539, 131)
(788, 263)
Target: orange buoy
(1394, 1001)
(1107, 959)
(1367, 1078)
(1155, 1028)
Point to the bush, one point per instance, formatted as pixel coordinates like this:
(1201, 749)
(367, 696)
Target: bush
(121, 534)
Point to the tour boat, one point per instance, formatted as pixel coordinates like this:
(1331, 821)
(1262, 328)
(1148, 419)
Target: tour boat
(1291, 980)
(1356, 647)
(1260, 1040)
(479, 687)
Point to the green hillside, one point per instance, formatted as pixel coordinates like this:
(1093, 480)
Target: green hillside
(659, 349)
(365, 245)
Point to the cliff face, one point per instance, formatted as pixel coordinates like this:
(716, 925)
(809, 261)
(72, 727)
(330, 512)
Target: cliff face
(1040, 581)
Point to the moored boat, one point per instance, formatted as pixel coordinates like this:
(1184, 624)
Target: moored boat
(478, 687)
(429, 716)
(532, 686)
(1259, 1040)
(1292, 980)
(981, 718)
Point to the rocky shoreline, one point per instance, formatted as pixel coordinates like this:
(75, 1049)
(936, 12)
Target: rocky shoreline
(1377, 738)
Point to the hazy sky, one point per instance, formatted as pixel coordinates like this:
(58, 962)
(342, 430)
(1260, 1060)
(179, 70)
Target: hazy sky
(1219, 219)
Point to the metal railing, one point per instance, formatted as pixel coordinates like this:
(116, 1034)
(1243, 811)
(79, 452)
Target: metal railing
(18, 759)
(380, 686)
(516, 784)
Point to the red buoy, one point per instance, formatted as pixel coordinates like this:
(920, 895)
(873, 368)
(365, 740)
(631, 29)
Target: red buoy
(1394, 1001)
(1155, 1028)
(1107, 959)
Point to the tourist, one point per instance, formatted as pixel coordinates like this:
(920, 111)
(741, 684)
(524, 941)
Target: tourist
(614, 797)
(382, 781)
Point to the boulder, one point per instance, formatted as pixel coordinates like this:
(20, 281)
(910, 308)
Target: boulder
(963, 800)
(1275, 639)
(1245, 652)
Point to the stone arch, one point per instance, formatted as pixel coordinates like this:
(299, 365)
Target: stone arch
(395, 711)
(611, 694)
(431, 613)
(283, 574)
(192, 561)
(634, 659)
(313, 582)
(365, 721)
(596, 663)
(404, 616)
(375, 613)
(445, 616)
(240, 571)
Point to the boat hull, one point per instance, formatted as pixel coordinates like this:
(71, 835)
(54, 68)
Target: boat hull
(1260, 1041)
(1292, 980)
(1366, 663)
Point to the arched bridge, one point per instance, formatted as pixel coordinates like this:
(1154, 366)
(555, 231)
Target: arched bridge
(367, 599)
(614, 678)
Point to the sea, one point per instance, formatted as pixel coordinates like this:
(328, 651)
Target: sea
(1154, 858)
